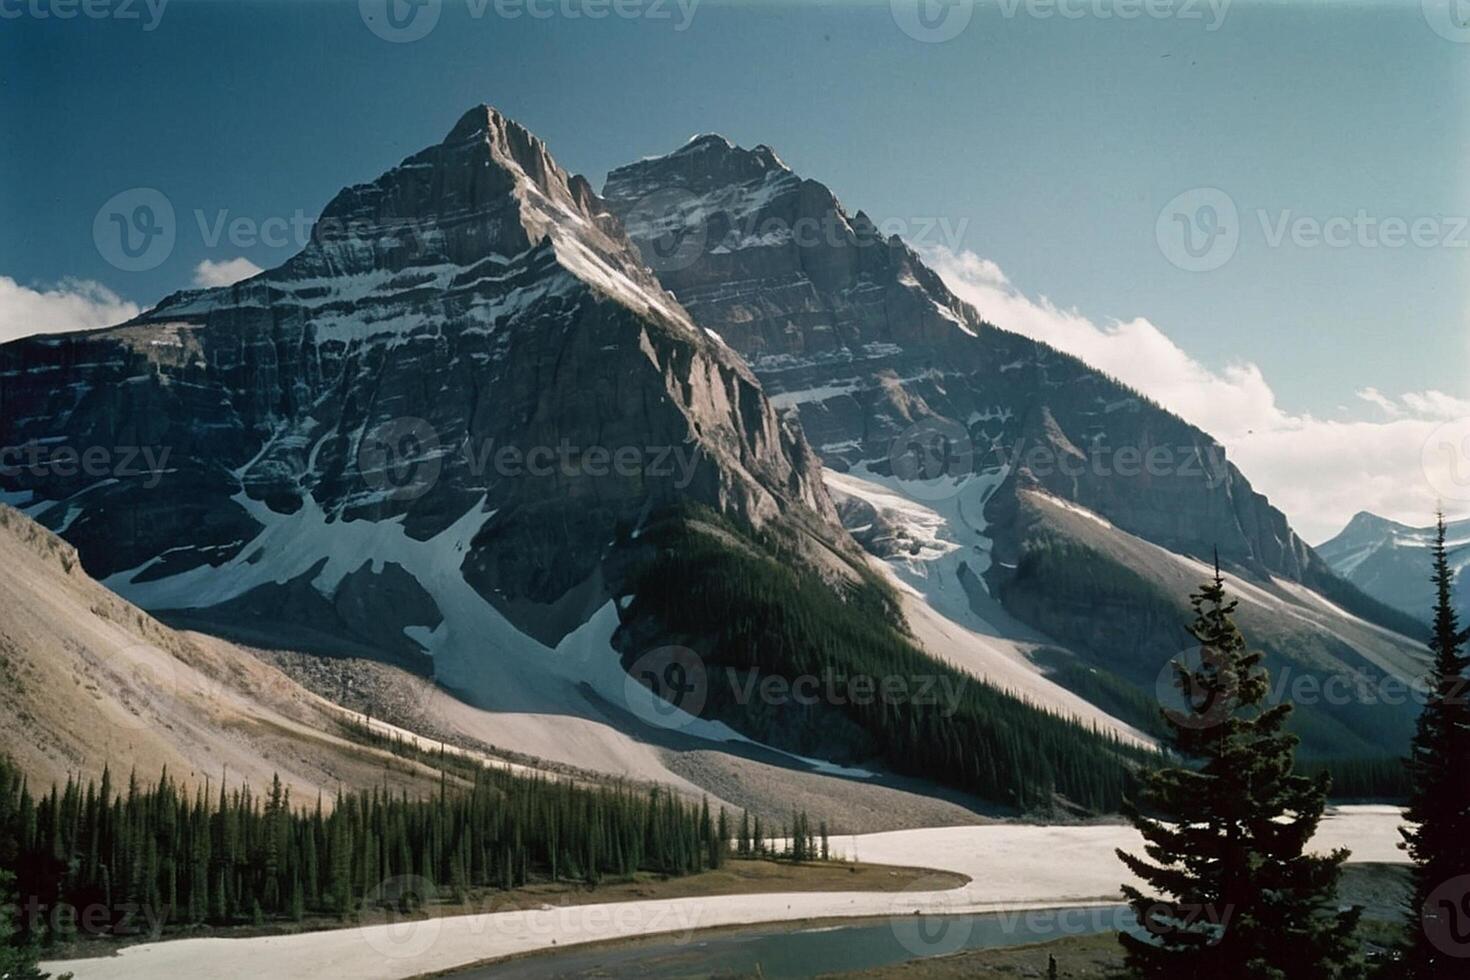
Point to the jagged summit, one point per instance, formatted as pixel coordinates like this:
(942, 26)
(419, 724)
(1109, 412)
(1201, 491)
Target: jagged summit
(849, 325)
(488, 204)
(478, 291)
(510, 145)
(707, 162)
(704, 141)
(484, 118)
(488, 176)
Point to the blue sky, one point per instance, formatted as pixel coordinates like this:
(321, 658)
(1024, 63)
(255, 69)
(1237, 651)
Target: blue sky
(1038, 152)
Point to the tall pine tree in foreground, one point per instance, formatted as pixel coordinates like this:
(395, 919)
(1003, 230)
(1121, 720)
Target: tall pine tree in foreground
(1438, 839)
(1225, 836)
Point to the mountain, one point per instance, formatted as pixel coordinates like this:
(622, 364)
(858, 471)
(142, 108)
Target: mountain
(449, 329)
(466, 431)
(92, 681)
(1026, 497)
(1391, 561)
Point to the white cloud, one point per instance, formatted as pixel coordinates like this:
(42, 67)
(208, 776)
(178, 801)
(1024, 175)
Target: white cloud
(1319, 472)
(225, 273)
(1373, 396)
(1436, 404)
(72, 304)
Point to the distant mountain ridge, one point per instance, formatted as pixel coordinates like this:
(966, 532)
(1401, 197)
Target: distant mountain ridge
(1391, 561)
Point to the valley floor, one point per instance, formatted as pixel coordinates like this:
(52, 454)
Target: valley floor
(1010, 867)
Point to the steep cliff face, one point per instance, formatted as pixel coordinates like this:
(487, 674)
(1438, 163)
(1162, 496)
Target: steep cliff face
(470, 337)
(1010, 485)
(885, 363)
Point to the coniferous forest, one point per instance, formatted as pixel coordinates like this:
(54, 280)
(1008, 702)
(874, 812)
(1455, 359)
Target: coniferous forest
(780, 619)
(102, 859)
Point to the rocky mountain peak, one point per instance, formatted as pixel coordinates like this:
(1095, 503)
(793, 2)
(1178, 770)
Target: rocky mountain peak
(712, 147)
(706, 163)
(486, 201)
(851, 327)
(1367, 523)
(489, 188)
(450, 324)
(838, 285)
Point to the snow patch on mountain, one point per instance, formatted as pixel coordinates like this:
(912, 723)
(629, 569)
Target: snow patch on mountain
(476, 651)
(937, 547)
(935, 553)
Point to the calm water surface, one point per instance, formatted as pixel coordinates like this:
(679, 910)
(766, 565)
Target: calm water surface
(794, 951)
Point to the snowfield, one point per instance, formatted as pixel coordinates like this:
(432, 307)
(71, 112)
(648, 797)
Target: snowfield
(1012, 867)
(965, 627)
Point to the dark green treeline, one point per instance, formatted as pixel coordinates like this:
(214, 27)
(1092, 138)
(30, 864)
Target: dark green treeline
(93, 858)
(776, 618)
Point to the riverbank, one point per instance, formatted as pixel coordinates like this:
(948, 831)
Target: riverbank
(735, 877)
(1010, 868)
(907, 947)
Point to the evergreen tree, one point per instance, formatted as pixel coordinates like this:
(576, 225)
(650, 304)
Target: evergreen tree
(721, 847)
(1226, 836)
(17, 956)
(1438, 838)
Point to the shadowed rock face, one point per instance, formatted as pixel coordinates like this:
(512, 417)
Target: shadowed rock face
(880, 357)
(470, 330)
